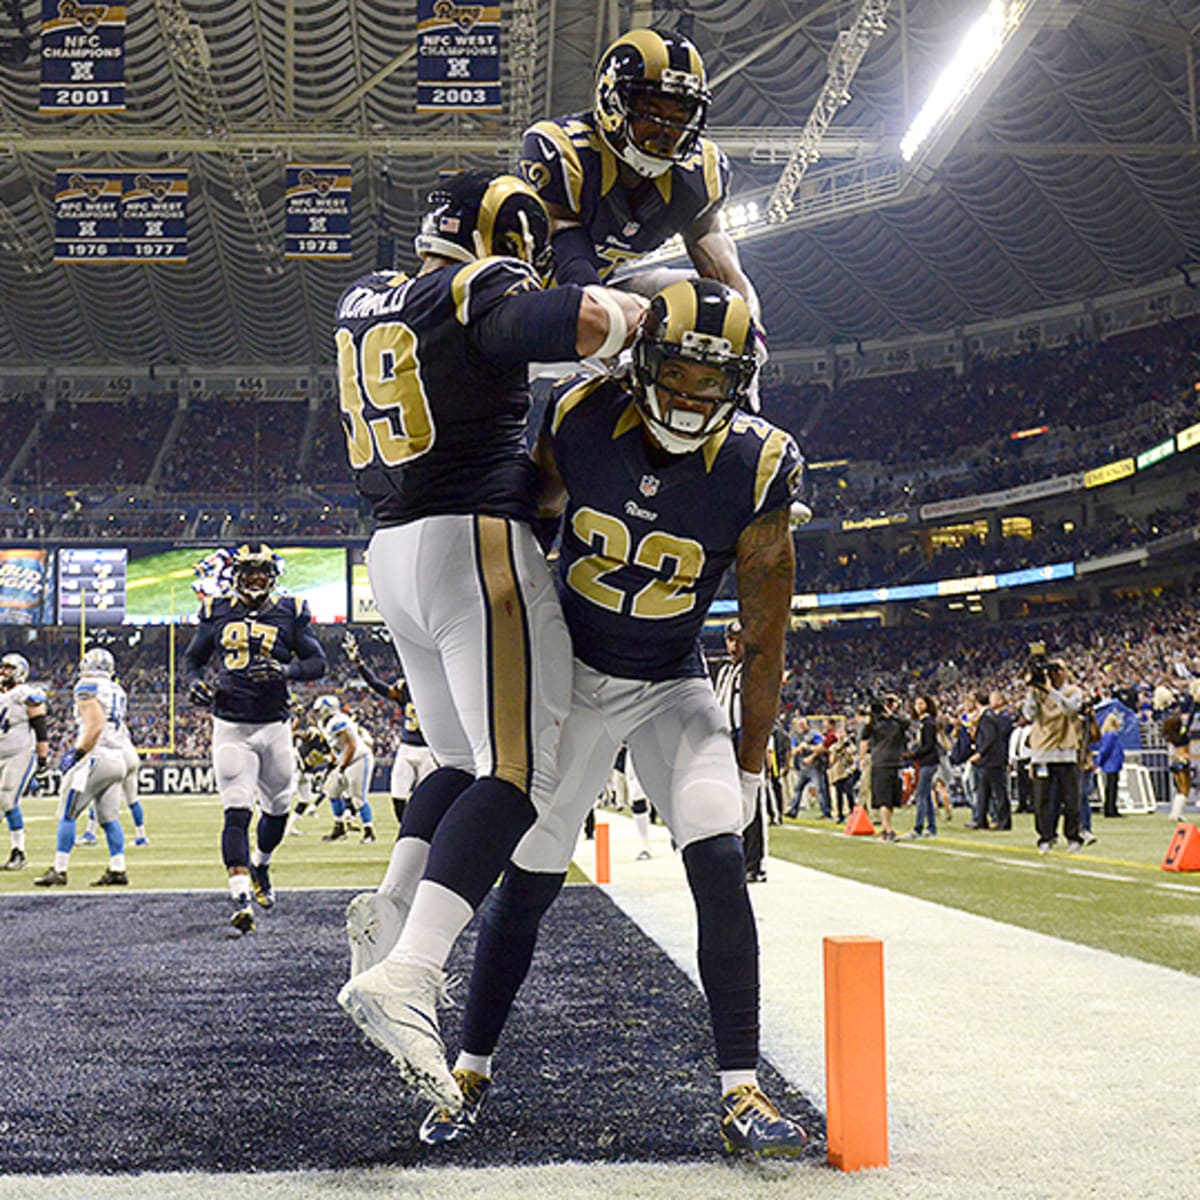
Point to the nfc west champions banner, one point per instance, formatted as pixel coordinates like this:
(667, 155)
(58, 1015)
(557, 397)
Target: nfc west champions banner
(83, 57)
(121, 216)
(458, 57)
(318, 211)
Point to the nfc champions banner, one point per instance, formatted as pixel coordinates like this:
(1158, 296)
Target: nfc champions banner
(83, 57)
(458, 57)
(318, 211)
(121, 216)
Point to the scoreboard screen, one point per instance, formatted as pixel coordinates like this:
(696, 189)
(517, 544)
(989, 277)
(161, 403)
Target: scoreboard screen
(91, 582)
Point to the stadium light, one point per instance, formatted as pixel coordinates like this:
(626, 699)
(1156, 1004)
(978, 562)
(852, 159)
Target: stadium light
(976, 53)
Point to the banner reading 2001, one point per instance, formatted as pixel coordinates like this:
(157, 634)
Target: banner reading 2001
(458, 57)
(83, 57)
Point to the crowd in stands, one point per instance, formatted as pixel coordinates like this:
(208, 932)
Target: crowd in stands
(1126, 651)
(874, 566)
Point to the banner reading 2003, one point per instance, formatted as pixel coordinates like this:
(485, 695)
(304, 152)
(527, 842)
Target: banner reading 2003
(458, 57)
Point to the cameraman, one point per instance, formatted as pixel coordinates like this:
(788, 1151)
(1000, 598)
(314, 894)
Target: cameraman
(885, 738)
(1053, 707)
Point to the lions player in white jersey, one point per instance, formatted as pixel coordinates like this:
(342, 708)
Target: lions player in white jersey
(23, 744)
(353, 762)
(95, 768)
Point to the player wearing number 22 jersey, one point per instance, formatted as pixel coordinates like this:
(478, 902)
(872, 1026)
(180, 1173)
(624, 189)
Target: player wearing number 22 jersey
(261, 640)
(667, 481)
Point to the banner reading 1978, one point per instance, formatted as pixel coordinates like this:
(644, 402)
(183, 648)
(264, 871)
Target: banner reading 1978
(318, 211)
(458, 57)
(121, 216)
(83, 57)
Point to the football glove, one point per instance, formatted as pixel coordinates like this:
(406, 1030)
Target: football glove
(350, 646)
(200, 694)
(264, 669)
(69, 759)
(41, 773)
(750, 785)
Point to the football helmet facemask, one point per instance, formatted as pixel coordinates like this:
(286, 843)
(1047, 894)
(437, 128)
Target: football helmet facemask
(477, 215)
(97, 661)
(651, 99)
(255, 569)
(14, 669)
(694, 321)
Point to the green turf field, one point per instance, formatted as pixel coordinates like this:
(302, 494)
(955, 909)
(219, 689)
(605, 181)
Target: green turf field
(150, 581)
(1113, 896)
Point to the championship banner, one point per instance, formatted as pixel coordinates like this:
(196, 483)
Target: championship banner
(154, 215)
(83, 57)
(458, 57)
(121, 216)
(87, 216)
(318, 211)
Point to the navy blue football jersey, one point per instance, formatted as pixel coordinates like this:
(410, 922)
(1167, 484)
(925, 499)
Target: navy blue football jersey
(648, 535)
(434, 385)
(281, 629)
(571, 167)
(410, 723)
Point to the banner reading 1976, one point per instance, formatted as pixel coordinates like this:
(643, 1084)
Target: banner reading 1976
(318, 211)
(121, 216)
(83, 57)
(458, 57)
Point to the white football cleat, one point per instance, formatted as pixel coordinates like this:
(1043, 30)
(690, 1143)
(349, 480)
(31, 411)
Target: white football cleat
(395, 1005)
(373, 924)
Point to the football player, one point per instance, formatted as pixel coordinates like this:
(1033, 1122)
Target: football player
(689, 484)
(414, 760)
(435, 401)
(349, 781)
(311, 752)
(129, 790)
(261, 640)
(622, 179)
(94, 769)
(24, 747)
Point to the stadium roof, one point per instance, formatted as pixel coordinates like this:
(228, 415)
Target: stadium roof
(1079, 175)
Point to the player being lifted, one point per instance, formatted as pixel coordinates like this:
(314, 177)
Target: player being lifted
(413, 760)
(688, 485)
(23, 748)
(261, 641)
(95, 768)
(624, 178)
(435, 403)
(348, 783)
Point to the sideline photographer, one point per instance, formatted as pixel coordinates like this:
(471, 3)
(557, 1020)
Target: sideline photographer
(1053, 706)
(885, 738)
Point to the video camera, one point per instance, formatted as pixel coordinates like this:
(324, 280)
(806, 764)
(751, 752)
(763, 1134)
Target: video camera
(1038, 666)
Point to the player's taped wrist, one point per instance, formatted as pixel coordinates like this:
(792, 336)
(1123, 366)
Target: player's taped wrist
(618, 327)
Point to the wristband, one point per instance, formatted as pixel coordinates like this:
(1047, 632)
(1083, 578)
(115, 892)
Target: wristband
(618, 329)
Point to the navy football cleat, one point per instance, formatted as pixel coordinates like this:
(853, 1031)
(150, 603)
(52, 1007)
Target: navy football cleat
(111, 878)
(260, 885)
(16, 860)
(751, 1124)
(242, 918)
(441, 1125)
(52, 878)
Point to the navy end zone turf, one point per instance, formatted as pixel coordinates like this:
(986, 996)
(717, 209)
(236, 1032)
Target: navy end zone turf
(138, 1037)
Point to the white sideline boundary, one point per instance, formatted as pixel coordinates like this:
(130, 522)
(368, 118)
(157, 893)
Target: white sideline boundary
(1019, 1066)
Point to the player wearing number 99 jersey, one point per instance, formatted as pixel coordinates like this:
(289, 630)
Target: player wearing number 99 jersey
(261, 640)
(667, 480)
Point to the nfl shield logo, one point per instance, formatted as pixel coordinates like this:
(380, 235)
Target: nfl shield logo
(649, 485)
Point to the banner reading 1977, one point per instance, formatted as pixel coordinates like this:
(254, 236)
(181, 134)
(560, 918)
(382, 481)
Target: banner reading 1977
(83, 57)
(318, 211)
(121, 216)
(458, 57)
